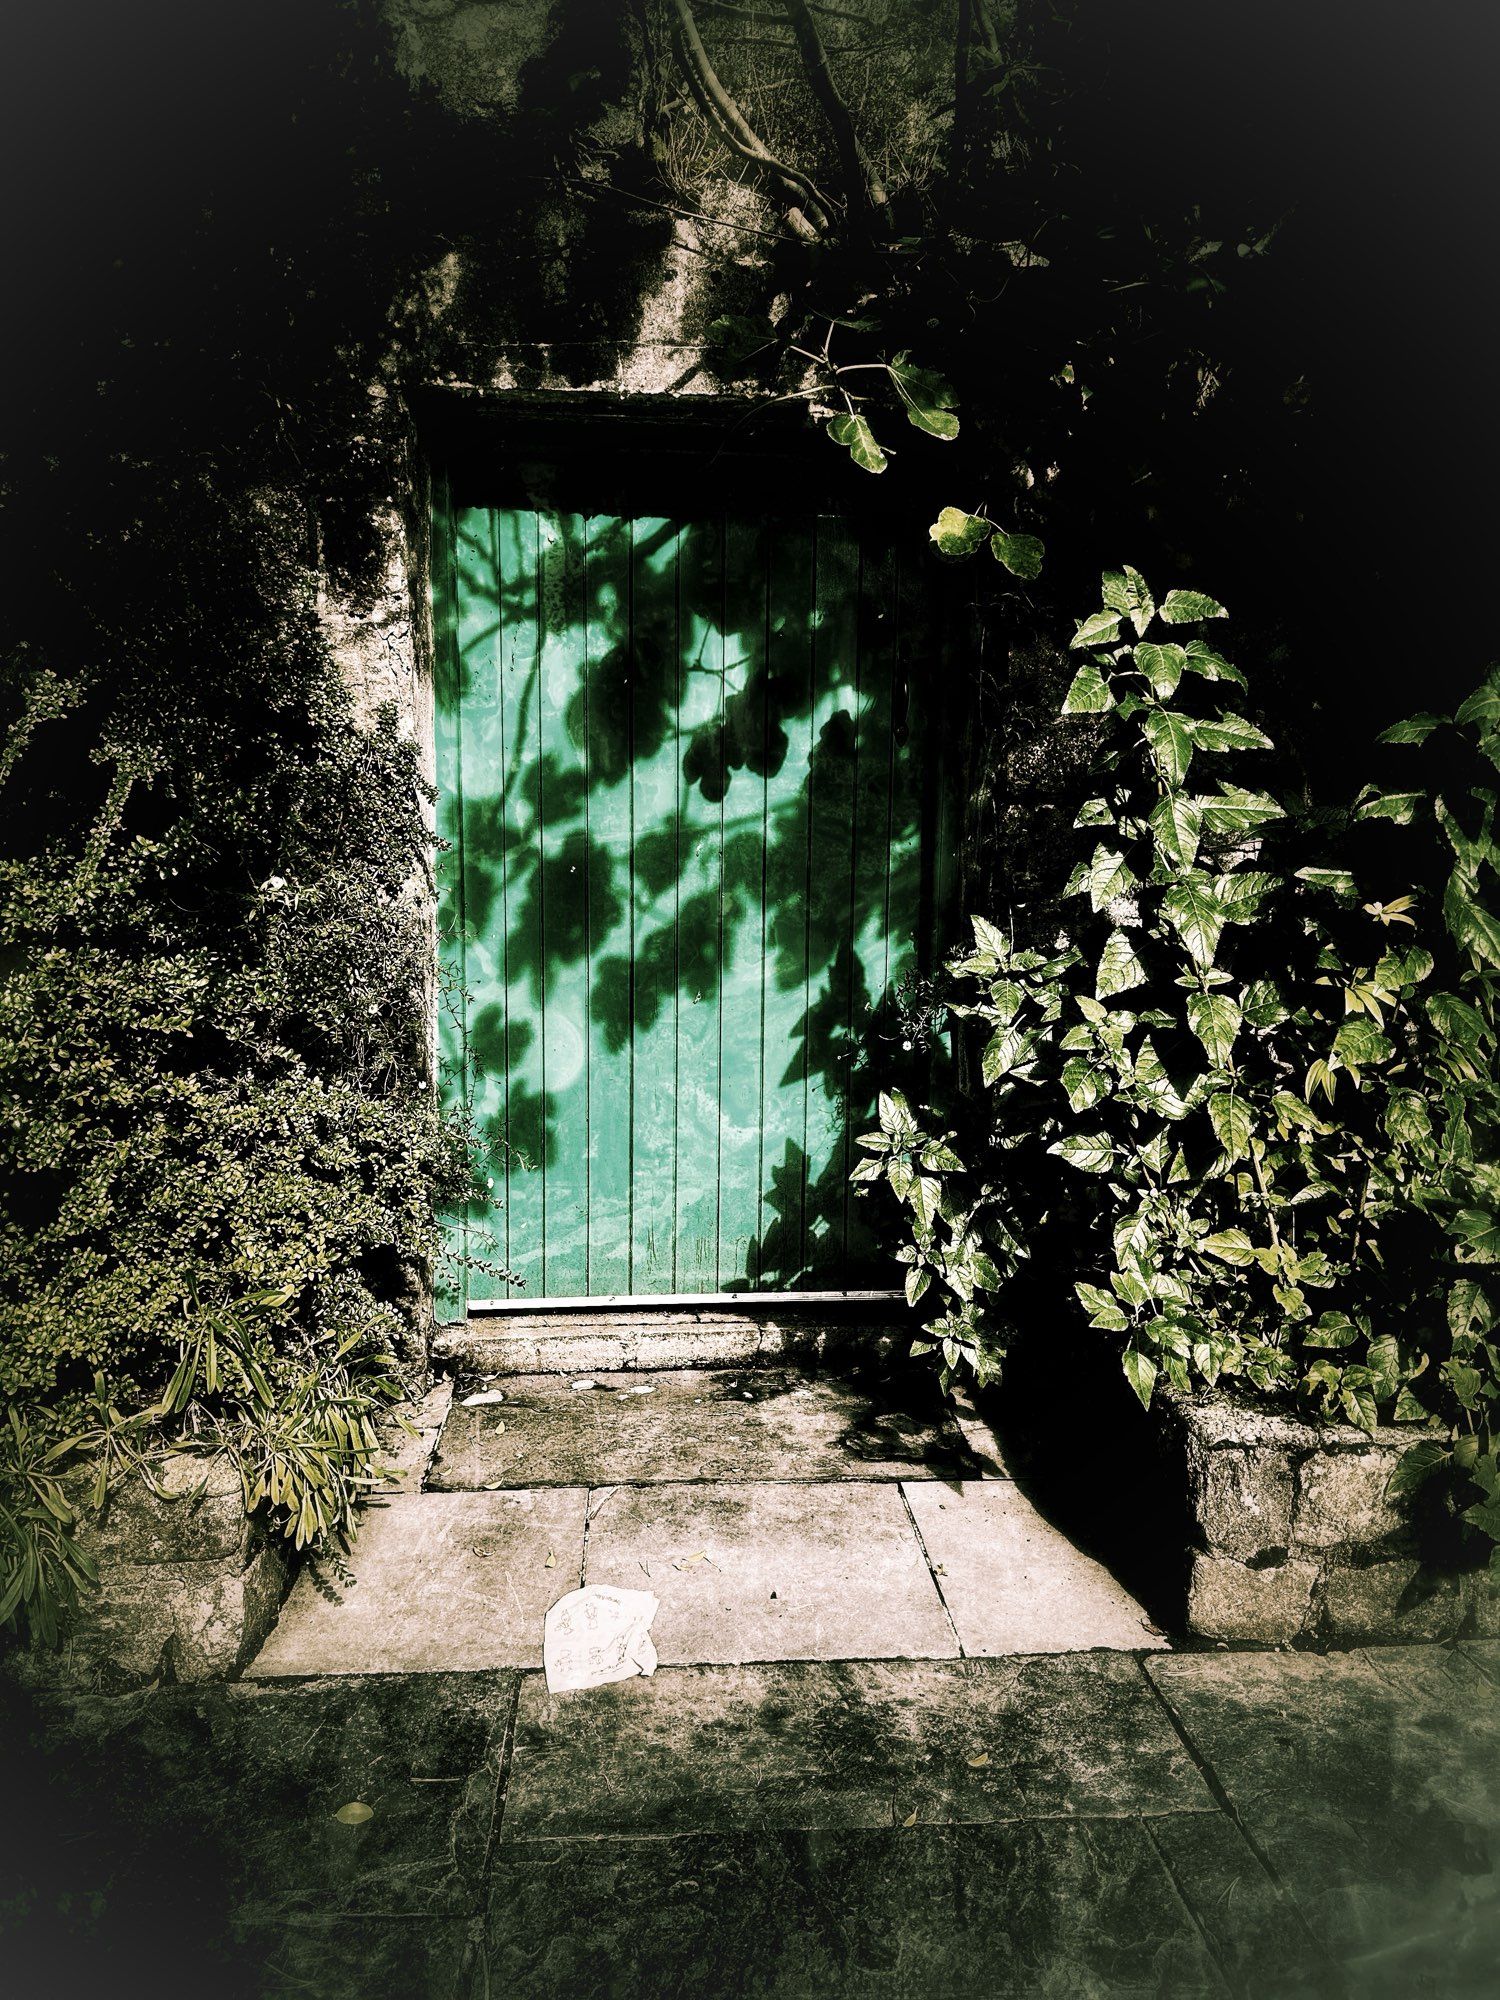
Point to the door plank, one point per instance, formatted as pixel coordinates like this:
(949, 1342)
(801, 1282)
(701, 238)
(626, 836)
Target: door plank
(645, 984)
(871, 875)
(914, 648)
(789, 740)
(741, 1046)
(526, 1108)
(700, 906)
(830, 967)
(480, 784)
(564, 874)
(610, 929)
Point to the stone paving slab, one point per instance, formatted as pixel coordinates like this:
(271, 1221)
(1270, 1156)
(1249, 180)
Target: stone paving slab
(772, 1572)
(1342, 1840)
(423, 1752)
(1252, 1927)
(443, 1581)
(739, 1424)
(1026, 1909)
(224, 1802)
(356, 1958)
(1012, 1583)
(1371, 1784)
(848, 1744)
(407, 1452)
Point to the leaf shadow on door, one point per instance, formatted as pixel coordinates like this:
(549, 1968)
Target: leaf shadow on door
(683, 839)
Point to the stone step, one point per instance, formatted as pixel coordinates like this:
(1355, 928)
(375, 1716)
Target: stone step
(586, 1342)
(851, 1569)
(691, 1424)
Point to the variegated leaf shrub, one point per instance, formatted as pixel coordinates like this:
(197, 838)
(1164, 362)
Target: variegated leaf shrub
(1248, 1098)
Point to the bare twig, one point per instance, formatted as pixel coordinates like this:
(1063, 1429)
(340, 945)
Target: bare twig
(806, 212)
(863, 186)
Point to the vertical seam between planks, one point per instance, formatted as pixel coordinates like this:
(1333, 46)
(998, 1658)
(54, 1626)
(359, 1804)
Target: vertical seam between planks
(588, 939)
(858, 720)
(928, 786)
(894, 674)
(541, 868)
(722, 720)
(456, 657)
(812, 724)
(496, 571)
(630, 976)
(767, 546)
(885, 1005)
(677, 677)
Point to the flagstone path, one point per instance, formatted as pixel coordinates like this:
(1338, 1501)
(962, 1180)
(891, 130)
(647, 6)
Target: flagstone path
(777, 1513)
(992, 1780)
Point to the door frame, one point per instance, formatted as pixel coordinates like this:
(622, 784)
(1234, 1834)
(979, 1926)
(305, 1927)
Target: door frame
(634, 453)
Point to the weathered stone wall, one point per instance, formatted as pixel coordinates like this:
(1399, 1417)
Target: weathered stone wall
(537, 305)
(567, 278)
(188, 1586)
(1296, 1537)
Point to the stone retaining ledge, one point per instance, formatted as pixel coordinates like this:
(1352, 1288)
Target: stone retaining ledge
(1295, 1538)
(188, 1586)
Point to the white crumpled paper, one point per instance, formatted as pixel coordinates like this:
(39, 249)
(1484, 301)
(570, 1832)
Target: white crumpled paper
(597, 1635)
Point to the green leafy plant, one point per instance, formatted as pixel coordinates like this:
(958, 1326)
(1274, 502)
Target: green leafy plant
(43, 1570)
(297, 1422)
(1250, 1096)
(214, 1091)
(297, 1419)
(957, 534)
(955, 1229)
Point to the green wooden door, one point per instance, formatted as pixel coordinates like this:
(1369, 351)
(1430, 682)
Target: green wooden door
(682, 867)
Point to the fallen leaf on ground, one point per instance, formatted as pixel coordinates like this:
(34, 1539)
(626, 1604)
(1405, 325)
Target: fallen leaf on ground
(551, 1562)
(911, 1818)
(355, 1813)
(484, 1396)
(584, 1382)
(978, 1762)
(687, 1562)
